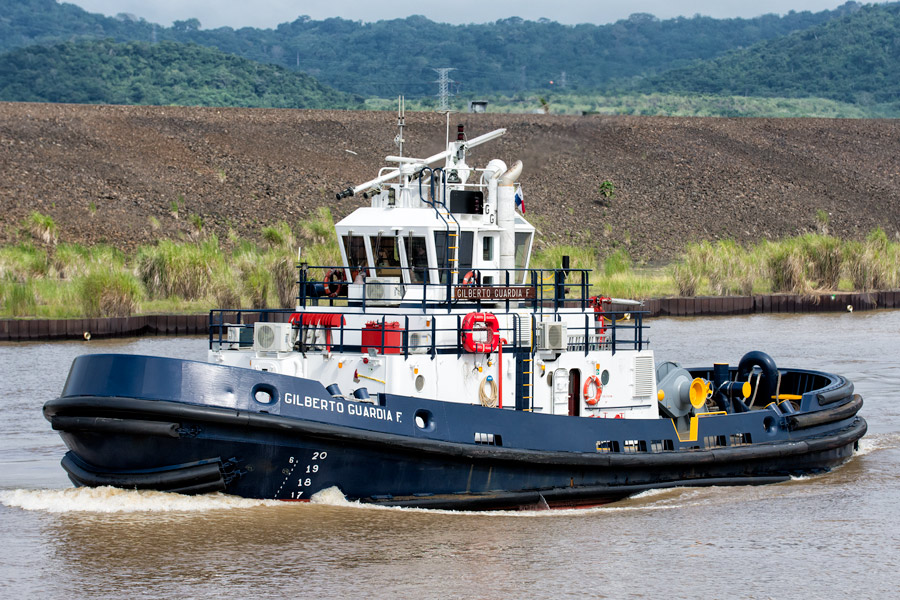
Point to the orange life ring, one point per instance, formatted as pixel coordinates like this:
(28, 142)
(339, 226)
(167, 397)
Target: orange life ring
(334, 280)
(592, 400)
(471, 278)
(492, 326)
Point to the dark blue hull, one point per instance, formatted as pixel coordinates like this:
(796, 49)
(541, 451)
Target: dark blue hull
(191, 427)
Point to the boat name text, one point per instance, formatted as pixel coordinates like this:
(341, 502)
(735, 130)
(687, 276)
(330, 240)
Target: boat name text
(339, 406)
(465, 292)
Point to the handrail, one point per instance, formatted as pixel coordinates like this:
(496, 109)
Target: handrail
(390, 337)
(553, 289)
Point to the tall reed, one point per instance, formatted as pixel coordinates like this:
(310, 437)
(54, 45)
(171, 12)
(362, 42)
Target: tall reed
(284, 278)
(108, 294)
(24, 261)
(17, 299)
(184, 270)
(42, 227)
(873, 264)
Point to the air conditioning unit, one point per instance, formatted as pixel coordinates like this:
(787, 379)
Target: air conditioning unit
(554, 335)
(419, 342)
(233, 333)
(273, 337)
(239, 335)
(384, 291)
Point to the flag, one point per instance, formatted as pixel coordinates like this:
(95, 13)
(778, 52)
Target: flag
(520, 199)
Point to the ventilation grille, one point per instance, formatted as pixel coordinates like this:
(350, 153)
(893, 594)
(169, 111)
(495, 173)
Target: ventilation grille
(523, 330)
(644, 381)
(265, 336)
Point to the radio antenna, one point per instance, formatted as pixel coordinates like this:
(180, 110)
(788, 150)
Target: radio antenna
(401, 121)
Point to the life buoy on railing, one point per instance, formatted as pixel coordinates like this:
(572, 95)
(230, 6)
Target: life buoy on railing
(334, 280)
(595, 398)
(471, 278)
(491, 326)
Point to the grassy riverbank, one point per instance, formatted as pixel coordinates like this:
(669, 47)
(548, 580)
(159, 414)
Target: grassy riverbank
(40, 278)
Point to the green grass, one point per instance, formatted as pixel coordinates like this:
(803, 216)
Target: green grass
(638, 283)
(179, 269)
(42, 227)
(104, 293)
(279, 235)
(806, 264)
(18, 299)
(23, 261)
(550, 257)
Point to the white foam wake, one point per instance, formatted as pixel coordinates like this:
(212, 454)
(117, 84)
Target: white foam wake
(872, 443)
(332, 496)
(653, 492)
(115, 500)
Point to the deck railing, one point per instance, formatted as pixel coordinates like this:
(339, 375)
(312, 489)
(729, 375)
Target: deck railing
(542, 289)
(392, 333)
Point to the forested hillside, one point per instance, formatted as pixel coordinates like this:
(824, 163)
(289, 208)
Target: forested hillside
(105, 72)
(852, 59)
(791, 65)
(27, 22)
(396, 56)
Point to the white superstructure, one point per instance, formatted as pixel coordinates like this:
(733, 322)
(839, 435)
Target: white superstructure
(435, 298)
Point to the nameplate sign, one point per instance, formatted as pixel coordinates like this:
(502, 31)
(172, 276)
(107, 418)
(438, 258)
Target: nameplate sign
(466, 292)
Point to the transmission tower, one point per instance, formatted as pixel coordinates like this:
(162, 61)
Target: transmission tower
(444, 82)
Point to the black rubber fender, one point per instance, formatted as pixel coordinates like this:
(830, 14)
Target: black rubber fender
(110, 425)
(844, 390)
(195, 478)
(823, 417)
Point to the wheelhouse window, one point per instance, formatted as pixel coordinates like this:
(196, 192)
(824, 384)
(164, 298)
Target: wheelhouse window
(443, 255)
(466, 250)
(417, 256)
(487, 248)
(387, 257)
(355, 249)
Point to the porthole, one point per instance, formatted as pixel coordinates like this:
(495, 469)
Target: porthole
(420, 383)
(604, 377)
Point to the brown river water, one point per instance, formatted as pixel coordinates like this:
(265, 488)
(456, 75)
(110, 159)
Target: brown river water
(835, 535)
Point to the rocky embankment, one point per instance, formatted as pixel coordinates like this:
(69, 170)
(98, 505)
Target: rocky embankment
(129, 175)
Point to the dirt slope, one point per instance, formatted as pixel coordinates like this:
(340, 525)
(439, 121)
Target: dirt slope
(101, 172)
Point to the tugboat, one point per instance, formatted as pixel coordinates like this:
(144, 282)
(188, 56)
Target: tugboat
(435, 368)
